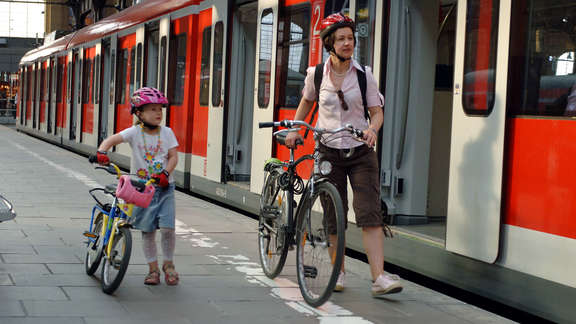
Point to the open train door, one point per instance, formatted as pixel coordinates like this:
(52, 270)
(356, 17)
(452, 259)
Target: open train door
(477, 145)
(265, 76)
(240, 105)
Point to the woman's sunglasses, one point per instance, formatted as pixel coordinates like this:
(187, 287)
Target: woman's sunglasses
(342, 101)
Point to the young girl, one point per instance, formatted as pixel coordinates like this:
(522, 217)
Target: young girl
(154, 155)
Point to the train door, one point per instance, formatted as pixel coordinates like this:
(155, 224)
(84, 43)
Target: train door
(265, 74)
(240, 107)
(215, 138)
(61, 94)
(36, 96)
(52, 100)
(43, 94)
(87, 93)
(125, 72)
(201, 103)
(105, 87)
(177, 37)
(417, 68)
(109, 86)
(477, 146)
(92, 137)
(74, 93)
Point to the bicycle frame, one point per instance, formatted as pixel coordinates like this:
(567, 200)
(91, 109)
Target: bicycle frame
(308, 191)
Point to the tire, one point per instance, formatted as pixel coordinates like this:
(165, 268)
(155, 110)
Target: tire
(317, 270)
(116, 264)
(272, 241)
(94, 250)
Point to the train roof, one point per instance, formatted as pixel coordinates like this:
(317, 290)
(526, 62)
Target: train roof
(58, 45)
(127, 18)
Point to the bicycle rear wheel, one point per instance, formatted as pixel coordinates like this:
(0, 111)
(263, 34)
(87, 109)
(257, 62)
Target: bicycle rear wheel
(94, 250)
(116, 264)
(318, 260)
(272, 241)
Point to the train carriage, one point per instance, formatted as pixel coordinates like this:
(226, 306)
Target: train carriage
(475, 151)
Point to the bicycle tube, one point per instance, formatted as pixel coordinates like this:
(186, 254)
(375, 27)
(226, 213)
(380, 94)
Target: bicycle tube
(112, 234)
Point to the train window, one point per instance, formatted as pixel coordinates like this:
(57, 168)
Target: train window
(86, 80)
(480, 56)
(217, 71)
(152, 57)
(333, 6)
(542, 57)
(205, 66)
(59, 73)
(132, 70)
(138, 67)
(365, 20)
(95, 92)
(292, 60)
(162, 76)
(265, 57)
(177, 65)
(112, 75)
(42, 83)
(122, 71)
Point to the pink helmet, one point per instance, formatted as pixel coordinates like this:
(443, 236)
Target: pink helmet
(146, 95)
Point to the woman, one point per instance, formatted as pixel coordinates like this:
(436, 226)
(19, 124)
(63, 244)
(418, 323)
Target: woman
(340, 103)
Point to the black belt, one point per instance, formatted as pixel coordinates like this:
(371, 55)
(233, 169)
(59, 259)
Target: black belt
(343, 153)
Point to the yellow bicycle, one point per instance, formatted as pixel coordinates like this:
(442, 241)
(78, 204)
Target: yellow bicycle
(109, 237)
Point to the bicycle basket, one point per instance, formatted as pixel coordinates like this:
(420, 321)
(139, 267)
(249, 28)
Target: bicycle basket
(127, 191)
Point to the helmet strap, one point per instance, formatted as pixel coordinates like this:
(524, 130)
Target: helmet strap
(147, 125)
(342, 59)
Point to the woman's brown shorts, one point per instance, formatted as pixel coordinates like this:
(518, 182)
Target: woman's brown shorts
(361, 166)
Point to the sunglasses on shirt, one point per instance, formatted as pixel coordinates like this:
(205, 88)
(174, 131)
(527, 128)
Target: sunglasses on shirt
(342, 101)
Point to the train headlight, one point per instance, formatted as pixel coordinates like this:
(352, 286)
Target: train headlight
(325, 168)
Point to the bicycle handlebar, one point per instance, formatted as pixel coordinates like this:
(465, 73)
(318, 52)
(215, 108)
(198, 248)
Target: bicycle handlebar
(291, 123)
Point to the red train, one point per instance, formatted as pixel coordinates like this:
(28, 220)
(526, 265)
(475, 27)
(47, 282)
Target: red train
(476, 148)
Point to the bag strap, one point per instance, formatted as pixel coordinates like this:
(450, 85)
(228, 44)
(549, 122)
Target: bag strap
(318, 74)
(362, 82)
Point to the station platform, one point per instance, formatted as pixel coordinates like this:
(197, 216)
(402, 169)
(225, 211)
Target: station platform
(42, 278)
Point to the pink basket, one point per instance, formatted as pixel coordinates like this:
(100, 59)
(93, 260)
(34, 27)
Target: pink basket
(126, 191)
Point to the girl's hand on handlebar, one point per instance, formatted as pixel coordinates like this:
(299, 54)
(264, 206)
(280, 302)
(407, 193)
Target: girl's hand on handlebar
(102, 158)
(370, 136)
(291, 139)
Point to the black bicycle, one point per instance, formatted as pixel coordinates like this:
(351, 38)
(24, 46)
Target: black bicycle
(316, 224)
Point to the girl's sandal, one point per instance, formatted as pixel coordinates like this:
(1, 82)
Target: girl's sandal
(170, 275)
(152, 278)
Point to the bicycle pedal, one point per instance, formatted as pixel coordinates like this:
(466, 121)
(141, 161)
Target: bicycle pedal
(90, 234)
(310, 272)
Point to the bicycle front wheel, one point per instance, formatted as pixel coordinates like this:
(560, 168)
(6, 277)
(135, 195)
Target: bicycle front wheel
(272, 241)
(319, 258)
(116, 264)
(94, 250)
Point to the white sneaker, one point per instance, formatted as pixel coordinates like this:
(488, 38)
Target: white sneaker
(386, 284)
(340, 282)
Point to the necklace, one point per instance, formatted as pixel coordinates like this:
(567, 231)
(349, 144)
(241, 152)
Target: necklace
(153, 167)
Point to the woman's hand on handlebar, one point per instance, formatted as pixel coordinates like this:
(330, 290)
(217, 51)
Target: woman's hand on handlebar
(370, 136)
(291, 139)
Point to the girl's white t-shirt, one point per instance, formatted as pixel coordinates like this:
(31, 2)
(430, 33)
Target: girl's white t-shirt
(149, 152)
